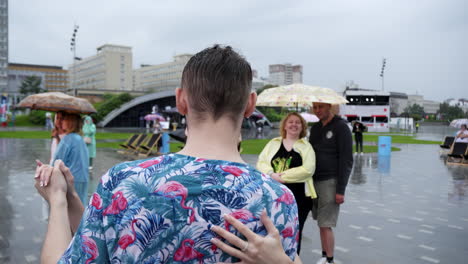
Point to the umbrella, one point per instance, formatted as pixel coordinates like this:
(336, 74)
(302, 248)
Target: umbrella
(257, 115)
(309, 118)
(152, 117)
(459, 122)
(56, 101)
(298, 95)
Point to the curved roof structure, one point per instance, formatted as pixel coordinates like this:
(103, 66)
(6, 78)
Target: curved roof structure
(135, 102)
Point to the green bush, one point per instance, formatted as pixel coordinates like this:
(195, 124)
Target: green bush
(37, 117)
(111, 102)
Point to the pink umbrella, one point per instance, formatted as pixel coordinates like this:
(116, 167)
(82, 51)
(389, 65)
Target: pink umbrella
(152, 117)
(309, 118)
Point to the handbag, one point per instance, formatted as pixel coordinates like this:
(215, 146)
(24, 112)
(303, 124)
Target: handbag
(88, 140)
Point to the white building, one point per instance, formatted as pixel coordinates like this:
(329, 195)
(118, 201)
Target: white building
(398, 103)
(109, 71)
(285, 74)
(161, 77)
(431, 107)
(3, 45)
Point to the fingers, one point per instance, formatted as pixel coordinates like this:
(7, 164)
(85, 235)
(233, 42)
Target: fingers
(270, 227)
(68, 175)
(39, 163)
(243, 229)
(228, 249)
(43, 174)
(231, 238)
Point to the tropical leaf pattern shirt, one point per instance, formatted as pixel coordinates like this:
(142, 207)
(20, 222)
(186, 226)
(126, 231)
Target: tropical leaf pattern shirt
(160, 210)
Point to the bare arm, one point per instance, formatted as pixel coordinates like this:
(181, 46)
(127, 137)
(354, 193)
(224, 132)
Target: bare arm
(58, 234)
(75, 207)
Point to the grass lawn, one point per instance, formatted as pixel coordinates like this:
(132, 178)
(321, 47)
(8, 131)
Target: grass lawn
(250, 146)
(399, 139)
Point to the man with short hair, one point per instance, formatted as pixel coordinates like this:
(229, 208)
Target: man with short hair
(332, 142)
(160, 210)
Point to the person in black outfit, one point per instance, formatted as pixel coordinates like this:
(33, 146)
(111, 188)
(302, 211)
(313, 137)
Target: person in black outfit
(333, 145)
(358, 128)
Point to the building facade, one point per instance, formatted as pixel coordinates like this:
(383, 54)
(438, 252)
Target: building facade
(53, 78)
(285, 74)
(431, 107)
(3, 45)
(109, 71)
(161, 77)
(398, 103)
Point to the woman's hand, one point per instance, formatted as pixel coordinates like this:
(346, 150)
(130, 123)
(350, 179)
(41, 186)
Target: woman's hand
(277, 177)
(50, 182)
(257, 249)
(44, 172)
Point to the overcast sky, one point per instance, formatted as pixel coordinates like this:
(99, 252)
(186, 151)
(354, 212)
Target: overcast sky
(425, 41)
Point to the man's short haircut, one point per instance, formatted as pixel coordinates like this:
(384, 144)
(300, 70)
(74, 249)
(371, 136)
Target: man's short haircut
(218, 82)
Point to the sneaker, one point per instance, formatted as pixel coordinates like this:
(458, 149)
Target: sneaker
(362, 153)
(90, 167)
(355, 153)
(322, 260)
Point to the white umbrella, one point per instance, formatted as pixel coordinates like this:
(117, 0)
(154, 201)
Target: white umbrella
(309, 118)
(459, 122)
(298, 95)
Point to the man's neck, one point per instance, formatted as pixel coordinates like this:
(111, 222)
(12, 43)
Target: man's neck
(326, 121)
(213, 140)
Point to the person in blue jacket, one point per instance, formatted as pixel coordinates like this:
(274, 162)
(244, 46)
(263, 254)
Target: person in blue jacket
(73, 152)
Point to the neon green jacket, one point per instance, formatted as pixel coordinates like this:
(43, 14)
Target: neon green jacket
(294, 175)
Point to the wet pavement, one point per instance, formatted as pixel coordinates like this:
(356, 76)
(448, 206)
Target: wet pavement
(407, 208)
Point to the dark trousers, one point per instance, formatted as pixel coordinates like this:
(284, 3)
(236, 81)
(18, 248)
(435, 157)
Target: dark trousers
(304, 206)
(358, 139)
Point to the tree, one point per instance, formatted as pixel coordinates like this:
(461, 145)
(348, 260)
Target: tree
(448, 112)
(415, 109)
(31, 85)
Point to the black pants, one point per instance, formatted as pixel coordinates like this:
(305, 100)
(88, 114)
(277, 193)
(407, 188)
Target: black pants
(358, 139)
(304, 206)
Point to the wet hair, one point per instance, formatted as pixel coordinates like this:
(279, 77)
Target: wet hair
(75, 122)
(464, 126)
(218, 82)
(285, 119)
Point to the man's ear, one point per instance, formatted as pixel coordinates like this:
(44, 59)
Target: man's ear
(250, 104)
(181, 101)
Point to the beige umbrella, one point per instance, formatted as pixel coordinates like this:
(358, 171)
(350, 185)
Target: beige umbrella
(55, 102)
(298, 95)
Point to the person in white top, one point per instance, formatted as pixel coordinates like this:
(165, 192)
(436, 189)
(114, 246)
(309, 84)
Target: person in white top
(462, 134)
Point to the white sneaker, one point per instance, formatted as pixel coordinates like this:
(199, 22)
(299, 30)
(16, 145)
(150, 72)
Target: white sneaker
(322, 260)
(362, 153)
(90, 167)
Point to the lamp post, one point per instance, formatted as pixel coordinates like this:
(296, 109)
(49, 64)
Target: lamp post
(382, 72)
(73, 48)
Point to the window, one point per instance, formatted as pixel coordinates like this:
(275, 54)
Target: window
(367, 119)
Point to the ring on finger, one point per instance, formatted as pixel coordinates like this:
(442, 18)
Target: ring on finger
(245, 247)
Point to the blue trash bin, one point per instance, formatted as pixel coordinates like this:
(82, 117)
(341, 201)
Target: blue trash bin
(165, 143)
(385, 145)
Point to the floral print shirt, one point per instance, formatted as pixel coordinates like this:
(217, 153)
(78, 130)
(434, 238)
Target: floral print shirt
(160, 210)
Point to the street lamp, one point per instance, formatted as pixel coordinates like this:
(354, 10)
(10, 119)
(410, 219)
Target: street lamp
(382, 72)
(73, 48)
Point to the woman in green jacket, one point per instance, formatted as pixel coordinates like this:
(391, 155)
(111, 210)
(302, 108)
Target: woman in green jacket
(290, 159)
(89, 136)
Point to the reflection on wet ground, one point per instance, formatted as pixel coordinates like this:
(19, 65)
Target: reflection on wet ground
(407, 208)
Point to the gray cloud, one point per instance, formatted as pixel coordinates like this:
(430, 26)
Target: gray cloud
(335, 40)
